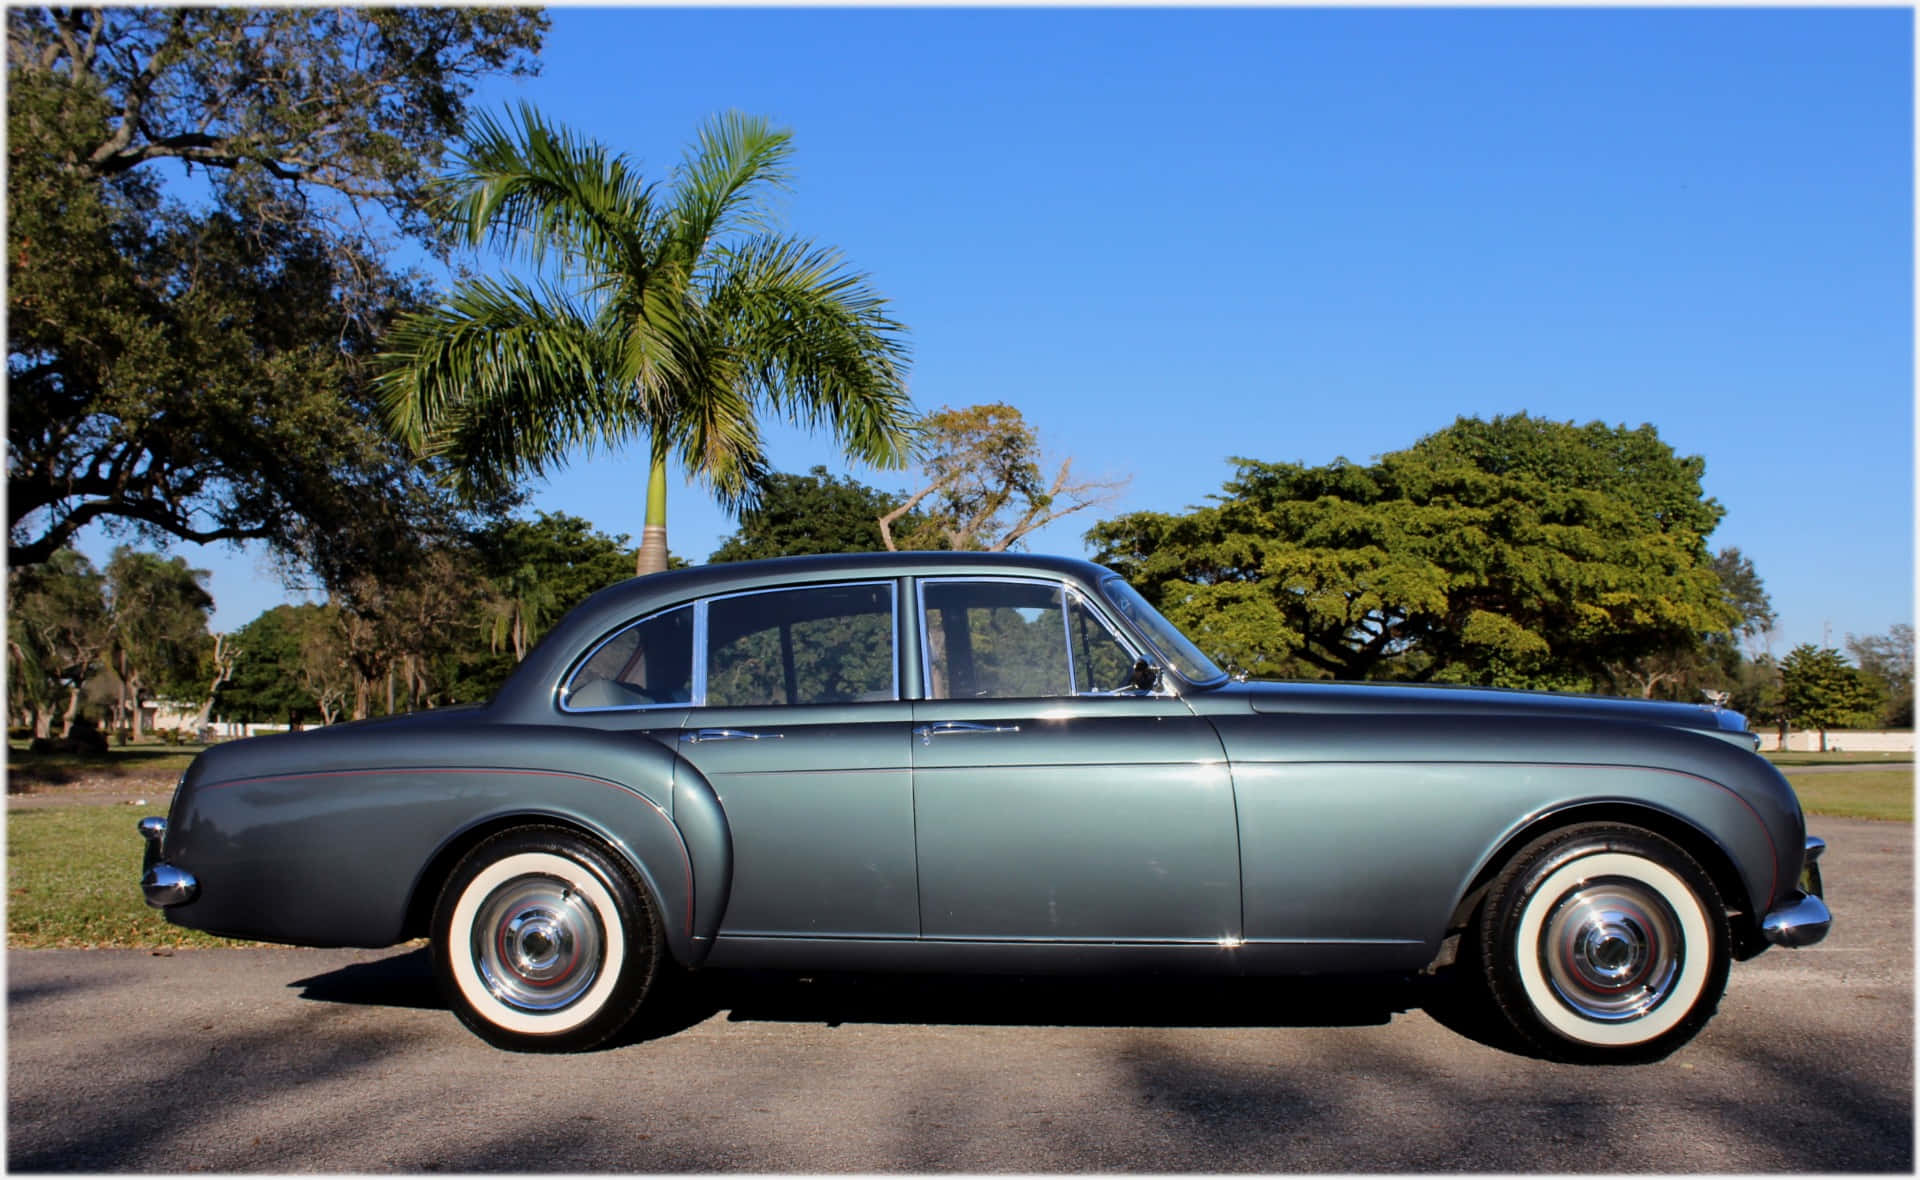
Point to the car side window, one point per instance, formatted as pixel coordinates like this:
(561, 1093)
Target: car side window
(997, 639)
(648, 663)
(811, 645)
(1101, 663)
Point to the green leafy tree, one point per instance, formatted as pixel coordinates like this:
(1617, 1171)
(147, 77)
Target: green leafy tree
(198, 371)
(57, 638)
(1745, 593)
(536, 570)
(984, 484)
(157, 614)
(325, 671)
(675, 316)
(1888, 660)
(267, 684)
(1820, 690)
(1517, 552)
(811, 513)
(1710, 664)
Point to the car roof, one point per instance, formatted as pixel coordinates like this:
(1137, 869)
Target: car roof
(725, 577)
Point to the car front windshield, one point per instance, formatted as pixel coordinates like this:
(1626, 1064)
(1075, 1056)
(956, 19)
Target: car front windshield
(1175, 648)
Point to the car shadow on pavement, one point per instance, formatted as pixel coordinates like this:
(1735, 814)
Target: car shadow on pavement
(404, 980)
(683, 999)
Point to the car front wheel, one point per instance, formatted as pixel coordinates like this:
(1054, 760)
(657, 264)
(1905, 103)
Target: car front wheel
(1604, 943)
(542, 941)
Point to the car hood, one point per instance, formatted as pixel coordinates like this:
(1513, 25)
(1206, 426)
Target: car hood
(1430, 699)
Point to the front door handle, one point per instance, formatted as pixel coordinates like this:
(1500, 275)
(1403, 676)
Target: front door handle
(926, 733)
(727, 735)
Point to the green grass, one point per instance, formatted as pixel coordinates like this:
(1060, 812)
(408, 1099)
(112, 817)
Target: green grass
(1857, 794)
(73, 880)
(1838, 757)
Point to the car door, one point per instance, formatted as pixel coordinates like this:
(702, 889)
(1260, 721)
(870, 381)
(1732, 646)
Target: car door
(798, 724)
(1052, 801)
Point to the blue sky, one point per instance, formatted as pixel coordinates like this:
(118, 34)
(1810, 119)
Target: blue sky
(1174, 236)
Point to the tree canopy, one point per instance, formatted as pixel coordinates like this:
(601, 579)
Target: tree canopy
(1888, 660)
(1517, 551)
(1822, 691)
(194, 365)
(157, 613)
(812, 513)
(57, 637)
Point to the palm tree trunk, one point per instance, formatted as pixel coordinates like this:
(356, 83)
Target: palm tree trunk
(652, 558)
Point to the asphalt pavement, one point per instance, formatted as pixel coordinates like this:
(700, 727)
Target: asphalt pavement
(287, 1060)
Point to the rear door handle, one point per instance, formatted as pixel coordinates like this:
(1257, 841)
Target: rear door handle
(727, 735)
(926, 733)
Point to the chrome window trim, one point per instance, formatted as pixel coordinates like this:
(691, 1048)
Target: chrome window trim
(1167, 664)
(573, 669)
(700, 633)
(1061, 586)
(699, 692)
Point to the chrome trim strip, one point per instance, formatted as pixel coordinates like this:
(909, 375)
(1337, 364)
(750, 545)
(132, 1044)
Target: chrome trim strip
(697, 691)
(1802, 921)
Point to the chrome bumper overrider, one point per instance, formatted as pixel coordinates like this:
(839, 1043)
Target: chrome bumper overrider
(1804, 919)
(163, 884)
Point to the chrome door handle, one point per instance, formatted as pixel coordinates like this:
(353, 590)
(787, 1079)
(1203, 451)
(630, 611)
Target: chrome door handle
(926, 733)
(726, 735)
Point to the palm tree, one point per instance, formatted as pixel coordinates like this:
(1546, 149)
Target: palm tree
(675, 316)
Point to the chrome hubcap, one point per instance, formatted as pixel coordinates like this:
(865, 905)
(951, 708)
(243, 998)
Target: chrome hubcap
(537, 944)
(1611, 949)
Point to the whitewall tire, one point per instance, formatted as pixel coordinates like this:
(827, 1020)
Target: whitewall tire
(1606, 943)
(544, 941)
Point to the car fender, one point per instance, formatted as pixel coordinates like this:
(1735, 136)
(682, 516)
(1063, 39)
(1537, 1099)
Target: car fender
(344, 851)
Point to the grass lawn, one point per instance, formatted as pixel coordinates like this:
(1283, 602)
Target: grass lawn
(73, 880)
(1857, 794)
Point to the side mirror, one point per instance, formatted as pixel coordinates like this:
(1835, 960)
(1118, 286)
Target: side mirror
(1145, 677)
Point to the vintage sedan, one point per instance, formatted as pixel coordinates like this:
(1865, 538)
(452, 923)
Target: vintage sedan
(989, 762)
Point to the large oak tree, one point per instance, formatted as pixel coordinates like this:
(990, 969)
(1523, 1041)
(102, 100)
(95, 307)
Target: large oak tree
(194, 287)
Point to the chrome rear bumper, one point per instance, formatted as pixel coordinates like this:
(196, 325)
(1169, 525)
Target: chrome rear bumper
(163, 884)
(1804, 919)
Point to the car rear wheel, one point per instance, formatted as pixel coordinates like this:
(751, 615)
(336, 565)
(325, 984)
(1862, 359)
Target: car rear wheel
(1604, 943)
(543, 941)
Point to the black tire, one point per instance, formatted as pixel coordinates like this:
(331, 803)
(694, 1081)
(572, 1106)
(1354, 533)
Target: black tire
(544, 942)
(1604, 943)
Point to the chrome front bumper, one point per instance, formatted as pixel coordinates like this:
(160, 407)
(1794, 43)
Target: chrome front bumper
(163, 884)
(1804, 919)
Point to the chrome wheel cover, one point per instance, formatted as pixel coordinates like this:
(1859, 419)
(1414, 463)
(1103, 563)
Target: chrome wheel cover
(1611, 949)
(537, 943)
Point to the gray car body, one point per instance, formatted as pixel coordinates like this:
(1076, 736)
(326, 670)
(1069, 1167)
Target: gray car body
(1226, 826)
